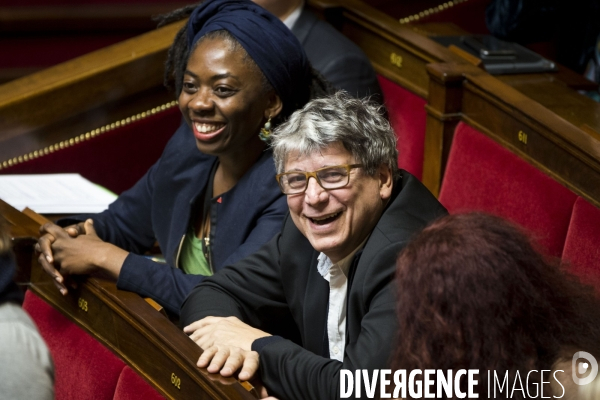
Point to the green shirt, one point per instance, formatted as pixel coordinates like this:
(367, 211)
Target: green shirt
(192, 258)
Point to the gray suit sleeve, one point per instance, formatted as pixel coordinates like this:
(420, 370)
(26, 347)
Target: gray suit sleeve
(26, 368)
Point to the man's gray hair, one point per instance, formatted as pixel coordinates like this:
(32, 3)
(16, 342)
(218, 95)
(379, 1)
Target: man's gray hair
(359, 124)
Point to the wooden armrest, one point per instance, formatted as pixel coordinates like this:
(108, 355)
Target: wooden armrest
(156, 306)
(40, 219)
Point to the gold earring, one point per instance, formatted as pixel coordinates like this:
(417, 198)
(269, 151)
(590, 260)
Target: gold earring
(265, 131)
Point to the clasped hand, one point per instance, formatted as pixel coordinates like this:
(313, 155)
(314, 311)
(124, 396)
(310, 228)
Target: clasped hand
(77, 249)
(227, 345)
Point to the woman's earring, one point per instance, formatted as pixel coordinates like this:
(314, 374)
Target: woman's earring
(265, 131)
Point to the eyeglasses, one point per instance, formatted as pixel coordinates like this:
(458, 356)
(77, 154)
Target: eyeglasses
(328, 178)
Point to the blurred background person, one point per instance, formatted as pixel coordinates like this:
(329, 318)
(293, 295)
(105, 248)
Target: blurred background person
(473, 293)
(572, 26)
(331, 53)
(26, 369)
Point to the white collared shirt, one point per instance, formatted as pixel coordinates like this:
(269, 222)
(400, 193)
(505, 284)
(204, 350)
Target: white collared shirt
(290, 21)
(337, 276)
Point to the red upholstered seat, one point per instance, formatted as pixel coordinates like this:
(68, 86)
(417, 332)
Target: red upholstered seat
(115, 159)
(582, 247)
(484, 176)
(84, 368)
(131, 386)
(407, 116)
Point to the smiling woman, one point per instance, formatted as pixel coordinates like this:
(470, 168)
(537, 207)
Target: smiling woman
(211, 198)
(225, 100)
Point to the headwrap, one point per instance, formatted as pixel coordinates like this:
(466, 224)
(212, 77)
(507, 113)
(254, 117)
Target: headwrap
(267, 40)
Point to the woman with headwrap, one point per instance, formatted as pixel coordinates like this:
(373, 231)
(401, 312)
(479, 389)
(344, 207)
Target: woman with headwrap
(211, 198)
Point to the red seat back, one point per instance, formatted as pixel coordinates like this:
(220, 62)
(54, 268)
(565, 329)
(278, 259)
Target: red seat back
(407, 116)
(131, 386)
(482, 175)
(84, 368)
(582, 246)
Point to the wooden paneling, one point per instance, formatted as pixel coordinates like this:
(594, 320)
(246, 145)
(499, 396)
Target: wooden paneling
(85, 93)
(82, 18)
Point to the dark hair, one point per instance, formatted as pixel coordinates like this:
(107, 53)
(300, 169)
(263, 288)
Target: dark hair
(4, 237)
(179, 53)
(474, 293)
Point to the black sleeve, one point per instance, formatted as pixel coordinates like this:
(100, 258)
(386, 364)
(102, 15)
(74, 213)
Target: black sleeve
(250, 290)
(292, 372)
(522, 21)
(354, 74)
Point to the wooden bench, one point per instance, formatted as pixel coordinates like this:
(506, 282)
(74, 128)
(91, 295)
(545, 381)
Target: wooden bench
(528, 145)
(400, 50)
(491, 148)
(111, 344)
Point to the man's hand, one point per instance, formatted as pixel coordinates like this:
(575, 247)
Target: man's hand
(226, 360)
(227, 345)
(44, 247)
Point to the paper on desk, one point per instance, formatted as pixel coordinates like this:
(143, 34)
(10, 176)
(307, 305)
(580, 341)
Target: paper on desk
(54, 193)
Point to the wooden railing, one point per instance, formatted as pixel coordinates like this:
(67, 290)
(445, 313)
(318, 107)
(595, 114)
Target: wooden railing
(124, 322)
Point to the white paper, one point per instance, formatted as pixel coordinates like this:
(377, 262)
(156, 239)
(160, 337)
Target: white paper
(54, 193)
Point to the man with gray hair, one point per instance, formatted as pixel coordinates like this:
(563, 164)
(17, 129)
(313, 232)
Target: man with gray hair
(317, 298)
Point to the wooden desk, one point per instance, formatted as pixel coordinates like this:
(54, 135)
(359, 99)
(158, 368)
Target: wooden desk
(400, 52)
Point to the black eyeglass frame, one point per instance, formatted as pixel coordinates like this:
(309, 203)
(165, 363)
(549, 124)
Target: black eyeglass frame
(314, 174)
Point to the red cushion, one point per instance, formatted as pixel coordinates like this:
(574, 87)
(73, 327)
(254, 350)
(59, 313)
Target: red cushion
(582, 247)
(482, 175)
(84, 368)
(115, 159)
(407, 116)
(131, 386)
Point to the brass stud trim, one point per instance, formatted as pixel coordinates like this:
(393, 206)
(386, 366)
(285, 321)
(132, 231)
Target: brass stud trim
(85, 136)
(430, 11)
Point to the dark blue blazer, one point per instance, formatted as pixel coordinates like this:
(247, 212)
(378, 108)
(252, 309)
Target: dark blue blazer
(158, 208)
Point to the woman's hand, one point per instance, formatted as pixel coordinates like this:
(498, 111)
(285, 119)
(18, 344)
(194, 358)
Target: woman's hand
(44, 247)
(83, 254)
